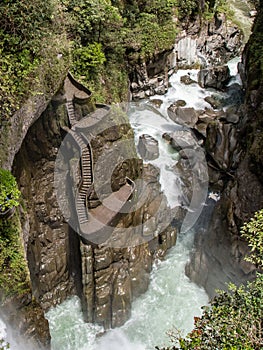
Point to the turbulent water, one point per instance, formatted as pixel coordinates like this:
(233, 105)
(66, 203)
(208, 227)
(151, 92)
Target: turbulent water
(172, 300)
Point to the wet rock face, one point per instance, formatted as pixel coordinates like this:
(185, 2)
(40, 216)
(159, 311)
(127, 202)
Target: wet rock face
(221, 144)
(207, 44)
(48, 238)
(148, 147)
(216, 77)
(29, 327)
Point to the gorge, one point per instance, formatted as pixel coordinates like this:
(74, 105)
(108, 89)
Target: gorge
(109, 274)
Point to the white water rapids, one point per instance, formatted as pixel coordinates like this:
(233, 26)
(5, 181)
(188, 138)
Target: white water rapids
(172, 300)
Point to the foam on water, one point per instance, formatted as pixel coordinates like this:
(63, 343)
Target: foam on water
(171, 301)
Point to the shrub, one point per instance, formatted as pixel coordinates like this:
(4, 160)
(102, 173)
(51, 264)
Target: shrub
(233, 321)
(9, 193)
(14, 278)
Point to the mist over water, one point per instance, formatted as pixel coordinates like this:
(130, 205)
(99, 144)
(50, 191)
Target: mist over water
(171, 302)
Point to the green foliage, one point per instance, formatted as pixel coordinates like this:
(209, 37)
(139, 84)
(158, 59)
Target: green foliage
(13, 268)
(9, 193)
(88, 60)
(233, 321)
(92, 20)
(222, 6)
(148, 37)
(26, 27)
(252, 231)
(187, 8)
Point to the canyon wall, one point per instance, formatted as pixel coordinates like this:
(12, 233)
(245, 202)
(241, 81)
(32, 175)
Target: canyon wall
(106, 276)
(220, 250)
(198, 44)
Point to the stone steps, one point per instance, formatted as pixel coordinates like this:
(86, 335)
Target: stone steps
(71, 112)
(86, 170)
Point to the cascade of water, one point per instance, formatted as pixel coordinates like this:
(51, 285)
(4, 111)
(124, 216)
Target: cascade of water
(172, 300)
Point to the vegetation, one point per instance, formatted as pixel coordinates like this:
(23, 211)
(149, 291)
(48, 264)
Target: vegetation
(30, 38)
(9, 193)
(99, 35)
(252, 231)
(233, 321)
(13, 267)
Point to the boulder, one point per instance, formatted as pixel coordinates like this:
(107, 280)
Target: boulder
(179, 103)
(157, 102)
(187, 80)
(214, 101)
(183, 115)
(181, 139)
(215, 77)
(148, 147)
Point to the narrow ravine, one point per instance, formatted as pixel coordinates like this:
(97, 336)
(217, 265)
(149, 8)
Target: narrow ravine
(172, 300)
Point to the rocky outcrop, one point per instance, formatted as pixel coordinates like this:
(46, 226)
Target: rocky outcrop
(62, 262)
(220, 250)
(118, 275)
(148, 147)
(216, 77)
(151, 78)
(34, 169)
(207, 43)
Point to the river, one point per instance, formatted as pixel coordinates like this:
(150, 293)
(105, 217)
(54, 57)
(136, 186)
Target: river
(172, 300)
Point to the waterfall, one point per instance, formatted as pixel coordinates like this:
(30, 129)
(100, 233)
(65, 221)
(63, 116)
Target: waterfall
(172, 300)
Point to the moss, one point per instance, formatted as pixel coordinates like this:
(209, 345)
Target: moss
(14, 275)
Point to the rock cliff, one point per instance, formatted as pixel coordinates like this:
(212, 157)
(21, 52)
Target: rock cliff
(109, 275)
(219, 254)
(198, 44)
